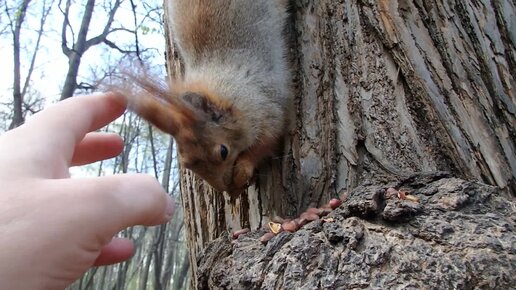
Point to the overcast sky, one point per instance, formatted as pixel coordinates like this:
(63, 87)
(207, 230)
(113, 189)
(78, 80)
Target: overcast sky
(52, 64)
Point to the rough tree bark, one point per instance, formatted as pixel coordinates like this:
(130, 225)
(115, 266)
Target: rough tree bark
(384, 89)
(459, 235)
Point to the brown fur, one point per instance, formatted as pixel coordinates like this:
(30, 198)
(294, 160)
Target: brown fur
(235, 91)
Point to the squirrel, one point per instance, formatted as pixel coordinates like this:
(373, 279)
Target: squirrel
(229, 111)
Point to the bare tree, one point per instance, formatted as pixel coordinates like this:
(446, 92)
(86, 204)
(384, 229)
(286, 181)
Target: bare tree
(160, 251)
(80, 43)
(16, 16)
(383, 89)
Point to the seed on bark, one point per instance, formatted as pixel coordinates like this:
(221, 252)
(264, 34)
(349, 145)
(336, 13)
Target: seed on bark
(309, 216)
(391, 191)
(290, 226)
(325, 211)
(335, 203)
(314, 210)
(301, 221)
(236, 234)
(267, 237)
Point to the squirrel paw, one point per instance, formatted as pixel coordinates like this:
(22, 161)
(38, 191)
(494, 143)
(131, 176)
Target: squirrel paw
(242, 174)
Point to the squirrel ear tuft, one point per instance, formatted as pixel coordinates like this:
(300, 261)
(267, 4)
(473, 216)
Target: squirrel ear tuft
(203, 106)
(157, 112)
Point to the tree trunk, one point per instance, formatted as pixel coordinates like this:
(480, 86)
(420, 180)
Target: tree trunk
(458, 235)
(20, 90)
(18, 118)
(75, 54)
(383, 89)
(82, 43)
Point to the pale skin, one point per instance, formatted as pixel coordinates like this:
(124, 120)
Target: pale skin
(53, 228)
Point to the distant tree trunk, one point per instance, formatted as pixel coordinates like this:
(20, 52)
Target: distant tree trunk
(20, 89)
(182, 275)
(75, 53)
(383, 89)
(17, 94)
(82, 43)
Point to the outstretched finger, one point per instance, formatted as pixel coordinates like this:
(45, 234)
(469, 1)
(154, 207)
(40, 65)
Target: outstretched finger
(97, 146)
(113, 203)
(68, 121)
(116, 251)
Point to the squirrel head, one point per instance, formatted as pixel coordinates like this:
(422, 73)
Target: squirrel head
(209, 138)
(209, 132)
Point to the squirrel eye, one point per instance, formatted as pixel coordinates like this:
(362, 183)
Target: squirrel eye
(224, 152)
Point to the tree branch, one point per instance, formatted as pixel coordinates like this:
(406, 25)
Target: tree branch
(114, 46)
(44, 14)
(17, 94)
(121, 29)
(10, 24)
(102, 37)
(86, 86)
(30, 107)
(66, 24)
(136, 42)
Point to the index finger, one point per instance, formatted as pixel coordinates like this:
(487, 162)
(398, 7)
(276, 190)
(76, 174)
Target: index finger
(66, 123)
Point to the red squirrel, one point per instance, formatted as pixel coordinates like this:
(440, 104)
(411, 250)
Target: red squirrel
(230, 109)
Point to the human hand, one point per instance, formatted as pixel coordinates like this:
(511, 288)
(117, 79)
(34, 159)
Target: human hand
(53, 228)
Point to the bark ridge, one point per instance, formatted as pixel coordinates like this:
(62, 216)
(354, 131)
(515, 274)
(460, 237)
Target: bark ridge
(459, 235)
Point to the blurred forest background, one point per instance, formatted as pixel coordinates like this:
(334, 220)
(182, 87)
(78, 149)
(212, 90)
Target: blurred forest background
(55, 49)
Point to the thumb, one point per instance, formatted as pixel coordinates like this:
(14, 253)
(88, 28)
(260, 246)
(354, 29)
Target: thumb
(113, 203)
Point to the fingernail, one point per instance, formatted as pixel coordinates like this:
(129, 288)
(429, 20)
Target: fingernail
(170, 208)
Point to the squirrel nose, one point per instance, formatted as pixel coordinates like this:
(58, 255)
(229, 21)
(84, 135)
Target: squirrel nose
(218, 184)
(222, 188)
